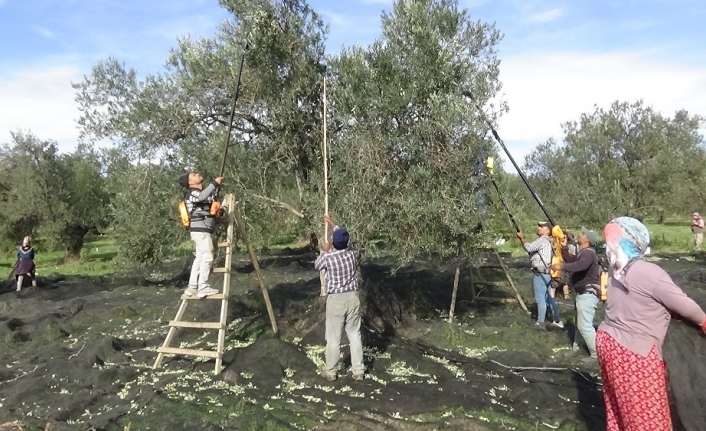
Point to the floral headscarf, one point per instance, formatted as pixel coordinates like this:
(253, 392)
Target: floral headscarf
(626, 240)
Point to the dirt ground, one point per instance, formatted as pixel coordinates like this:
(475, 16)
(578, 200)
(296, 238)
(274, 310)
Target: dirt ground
(76, 353)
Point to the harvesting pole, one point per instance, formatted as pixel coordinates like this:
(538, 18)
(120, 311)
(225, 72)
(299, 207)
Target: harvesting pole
(507, 210)
(226, 144)
(322, 273)
(502, 144)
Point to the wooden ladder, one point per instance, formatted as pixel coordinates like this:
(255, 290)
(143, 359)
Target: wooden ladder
(174, 325)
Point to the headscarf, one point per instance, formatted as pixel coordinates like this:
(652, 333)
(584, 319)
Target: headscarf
(626, 240)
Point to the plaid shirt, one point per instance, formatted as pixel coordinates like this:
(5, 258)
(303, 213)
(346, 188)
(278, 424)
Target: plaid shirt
(540, 251)
(340, 266)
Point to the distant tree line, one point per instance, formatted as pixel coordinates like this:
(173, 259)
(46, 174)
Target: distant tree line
(402, 140)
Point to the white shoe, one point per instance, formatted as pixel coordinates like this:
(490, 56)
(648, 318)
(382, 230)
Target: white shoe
(558, 324)
(202, 293)
(191, 291)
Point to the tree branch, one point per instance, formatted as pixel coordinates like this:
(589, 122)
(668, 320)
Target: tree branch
(279, 203)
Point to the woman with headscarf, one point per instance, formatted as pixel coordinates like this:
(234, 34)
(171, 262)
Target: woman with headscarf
(25, 263)
(641, 300)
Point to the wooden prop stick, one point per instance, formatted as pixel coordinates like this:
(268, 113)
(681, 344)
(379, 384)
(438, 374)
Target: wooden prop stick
(473, 285)
(509, 280)
(322, 273)
(455, 291)
(256, 265)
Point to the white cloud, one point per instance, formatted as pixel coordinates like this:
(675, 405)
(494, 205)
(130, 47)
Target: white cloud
(544, 91)
(548, 16)
(40, 101)
(334, 18)
(472, 3)
(43, 31)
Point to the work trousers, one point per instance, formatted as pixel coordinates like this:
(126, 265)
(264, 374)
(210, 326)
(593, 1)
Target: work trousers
(540, 284)
(586, 305)
(201, 268)
(343, 311)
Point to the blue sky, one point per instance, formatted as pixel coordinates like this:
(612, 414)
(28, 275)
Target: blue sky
(559, 58)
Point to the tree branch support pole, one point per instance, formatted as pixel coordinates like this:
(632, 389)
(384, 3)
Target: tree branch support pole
(256, 265)
(509, 280)
(457, 275)
(473, 284)
(322, 273)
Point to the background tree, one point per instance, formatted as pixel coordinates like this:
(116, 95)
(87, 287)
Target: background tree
(626, 160)
(56, 198)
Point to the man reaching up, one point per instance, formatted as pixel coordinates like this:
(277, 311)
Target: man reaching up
(585, 278)
(201, 226)
(342, 302)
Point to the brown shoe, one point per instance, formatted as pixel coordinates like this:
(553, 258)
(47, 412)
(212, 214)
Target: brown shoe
(329, 377)
(358, 376)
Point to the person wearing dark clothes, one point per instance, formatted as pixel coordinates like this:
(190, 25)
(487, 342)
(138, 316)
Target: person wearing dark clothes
(25, 263)
(478, 179)
(585, 278)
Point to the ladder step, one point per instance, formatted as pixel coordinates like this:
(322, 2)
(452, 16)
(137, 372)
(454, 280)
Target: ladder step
(216, 296)
(491, 283)
(223, 244)
(189, 352)
(220, 270)
(202, 325)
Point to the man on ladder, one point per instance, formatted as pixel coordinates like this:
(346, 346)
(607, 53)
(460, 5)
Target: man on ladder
(198, 205)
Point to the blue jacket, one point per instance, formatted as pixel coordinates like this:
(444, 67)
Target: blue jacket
(26, 254)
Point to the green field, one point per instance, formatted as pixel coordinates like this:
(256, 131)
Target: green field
(98, 256)
(669, 237)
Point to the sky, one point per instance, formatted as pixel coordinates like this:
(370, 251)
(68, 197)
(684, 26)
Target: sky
(559, 58)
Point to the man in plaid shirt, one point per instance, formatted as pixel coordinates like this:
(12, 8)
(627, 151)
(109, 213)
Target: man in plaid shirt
(540, 253)
(342, 302)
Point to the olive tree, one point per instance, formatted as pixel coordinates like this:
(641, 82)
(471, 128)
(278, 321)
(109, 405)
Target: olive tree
(180, 117)
(408, 136)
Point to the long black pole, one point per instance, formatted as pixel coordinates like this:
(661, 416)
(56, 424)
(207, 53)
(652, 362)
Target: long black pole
(509, 214)
(507, 210)
(226, 144)
(502, 144)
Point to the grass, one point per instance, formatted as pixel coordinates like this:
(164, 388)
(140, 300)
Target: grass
(672, 236)
(98, 256)
(96, 259)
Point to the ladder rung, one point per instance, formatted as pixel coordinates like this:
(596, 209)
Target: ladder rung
(220, 270)
(190, 352)
(223, 244)
(202, 325)
(491, 283)
(216, 296)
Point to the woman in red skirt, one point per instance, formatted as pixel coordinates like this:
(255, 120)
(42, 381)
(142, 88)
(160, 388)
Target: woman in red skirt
(641, 299)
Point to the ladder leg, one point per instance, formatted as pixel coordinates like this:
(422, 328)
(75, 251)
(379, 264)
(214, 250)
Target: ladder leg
(230, 201)
(170, 335)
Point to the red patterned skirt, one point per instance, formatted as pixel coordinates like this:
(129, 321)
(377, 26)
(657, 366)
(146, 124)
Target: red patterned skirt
(634, 388)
